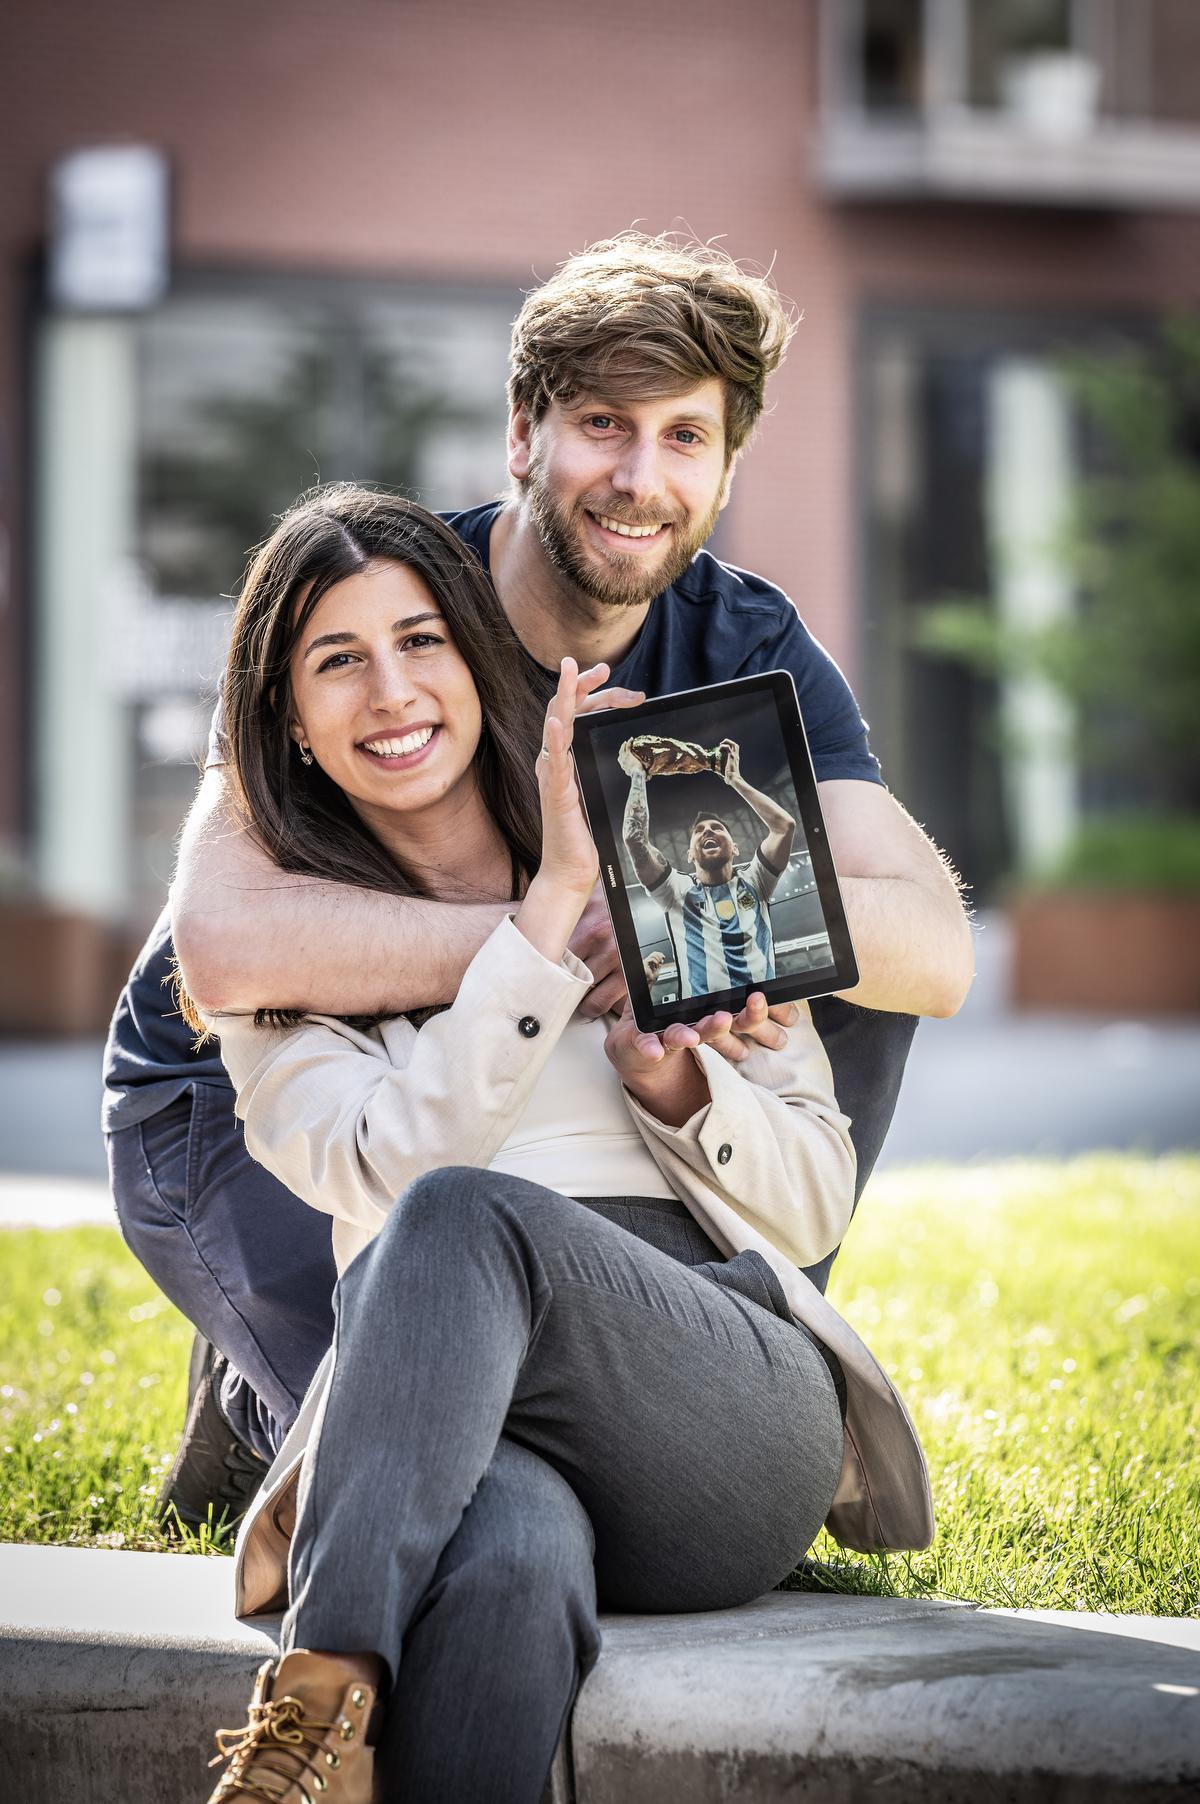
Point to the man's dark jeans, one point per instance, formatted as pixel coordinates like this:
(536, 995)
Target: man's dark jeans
(247, 1263)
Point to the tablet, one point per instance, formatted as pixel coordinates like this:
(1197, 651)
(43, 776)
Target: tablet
(713, 852)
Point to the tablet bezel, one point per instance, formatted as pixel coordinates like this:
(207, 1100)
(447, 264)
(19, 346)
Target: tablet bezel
(655, 715)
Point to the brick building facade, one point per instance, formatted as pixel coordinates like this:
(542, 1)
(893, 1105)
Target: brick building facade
(414, 164)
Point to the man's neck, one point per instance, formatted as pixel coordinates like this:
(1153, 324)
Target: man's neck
(714, 879)
(550, 615)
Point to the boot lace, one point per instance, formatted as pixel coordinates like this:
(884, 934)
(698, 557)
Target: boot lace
(277, 1725)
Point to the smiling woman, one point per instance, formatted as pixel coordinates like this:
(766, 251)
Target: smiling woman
(386, 704)
(341, 650)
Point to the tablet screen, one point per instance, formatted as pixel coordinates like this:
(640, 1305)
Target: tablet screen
(713, 851)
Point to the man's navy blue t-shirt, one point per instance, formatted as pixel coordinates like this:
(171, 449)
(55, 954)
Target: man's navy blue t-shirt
(715, 623)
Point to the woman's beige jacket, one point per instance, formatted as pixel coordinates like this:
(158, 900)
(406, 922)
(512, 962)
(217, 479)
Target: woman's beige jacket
(347, 1119)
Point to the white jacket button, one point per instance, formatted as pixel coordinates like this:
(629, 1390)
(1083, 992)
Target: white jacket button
(724, 1153)
(529, 1026)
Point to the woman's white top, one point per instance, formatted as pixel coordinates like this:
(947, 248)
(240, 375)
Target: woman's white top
(576, 1134)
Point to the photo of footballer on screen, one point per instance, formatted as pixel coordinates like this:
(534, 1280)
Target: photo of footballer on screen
(717, 914)
(709, 838)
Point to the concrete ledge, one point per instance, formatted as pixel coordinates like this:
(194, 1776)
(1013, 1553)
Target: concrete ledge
(115, 1668)
(842, 1699)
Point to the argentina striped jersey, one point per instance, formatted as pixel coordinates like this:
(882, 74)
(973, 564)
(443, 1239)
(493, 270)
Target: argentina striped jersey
(720, 932)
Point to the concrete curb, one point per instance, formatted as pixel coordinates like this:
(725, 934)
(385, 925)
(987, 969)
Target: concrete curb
(115, 1668)
(844, 1698)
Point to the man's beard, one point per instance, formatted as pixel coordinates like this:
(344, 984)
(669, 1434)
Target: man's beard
(711, 870)
(625, 582)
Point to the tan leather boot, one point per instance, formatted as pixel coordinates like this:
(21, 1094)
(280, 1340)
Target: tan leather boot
(305, 1738)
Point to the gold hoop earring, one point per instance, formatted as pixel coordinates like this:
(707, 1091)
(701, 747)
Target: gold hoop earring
(306, 756)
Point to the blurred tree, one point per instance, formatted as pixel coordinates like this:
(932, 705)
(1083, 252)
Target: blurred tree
(1128, 659)
(344, 408)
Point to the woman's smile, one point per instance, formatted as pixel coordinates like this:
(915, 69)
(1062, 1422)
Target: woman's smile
(401, 748)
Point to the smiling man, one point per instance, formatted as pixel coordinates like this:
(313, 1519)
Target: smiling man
(638, 372)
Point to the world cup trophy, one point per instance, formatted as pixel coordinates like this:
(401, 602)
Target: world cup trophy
(660, 756)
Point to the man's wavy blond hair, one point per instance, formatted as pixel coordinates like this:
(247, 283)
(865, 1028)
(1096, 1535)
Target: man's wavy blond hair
(633, 317)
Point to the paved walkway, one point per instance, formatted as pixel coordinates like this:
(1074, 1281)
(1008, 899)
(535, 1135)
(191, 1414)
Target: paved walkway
(993, 1083)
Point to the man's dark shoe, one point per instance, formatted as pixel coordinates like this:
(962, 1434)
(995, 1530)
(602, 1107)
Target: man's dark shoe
(215, 1474)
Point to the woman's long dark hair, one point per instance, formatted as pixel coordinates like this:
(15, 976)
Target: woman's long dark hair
(299, 816)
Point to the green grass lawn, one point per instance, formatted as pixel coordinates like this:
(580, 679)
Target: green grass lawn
(1042, 1320)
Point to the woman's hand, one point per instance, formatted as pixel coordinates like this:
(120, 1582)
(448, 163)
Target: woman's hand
(756, 1025)
(569, 857)
(567, 875)
(590, 698)
(653, 1067)
(658, 1068)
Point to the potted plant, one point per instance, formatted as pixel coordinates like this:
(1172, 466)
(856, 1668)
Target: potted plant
(1048, 87)
(1114, 924)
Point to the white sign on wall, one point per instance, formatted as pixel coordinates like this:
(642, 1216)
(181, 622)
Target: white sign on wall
(109, 229)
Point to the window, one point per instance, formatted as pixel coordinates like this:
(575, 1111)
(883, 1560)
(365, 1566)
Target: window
(247, 395)
(891, 57)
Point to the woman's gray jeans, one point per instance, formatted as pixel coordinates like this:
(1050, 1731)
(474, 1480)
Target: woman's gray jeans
(538, 1408)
